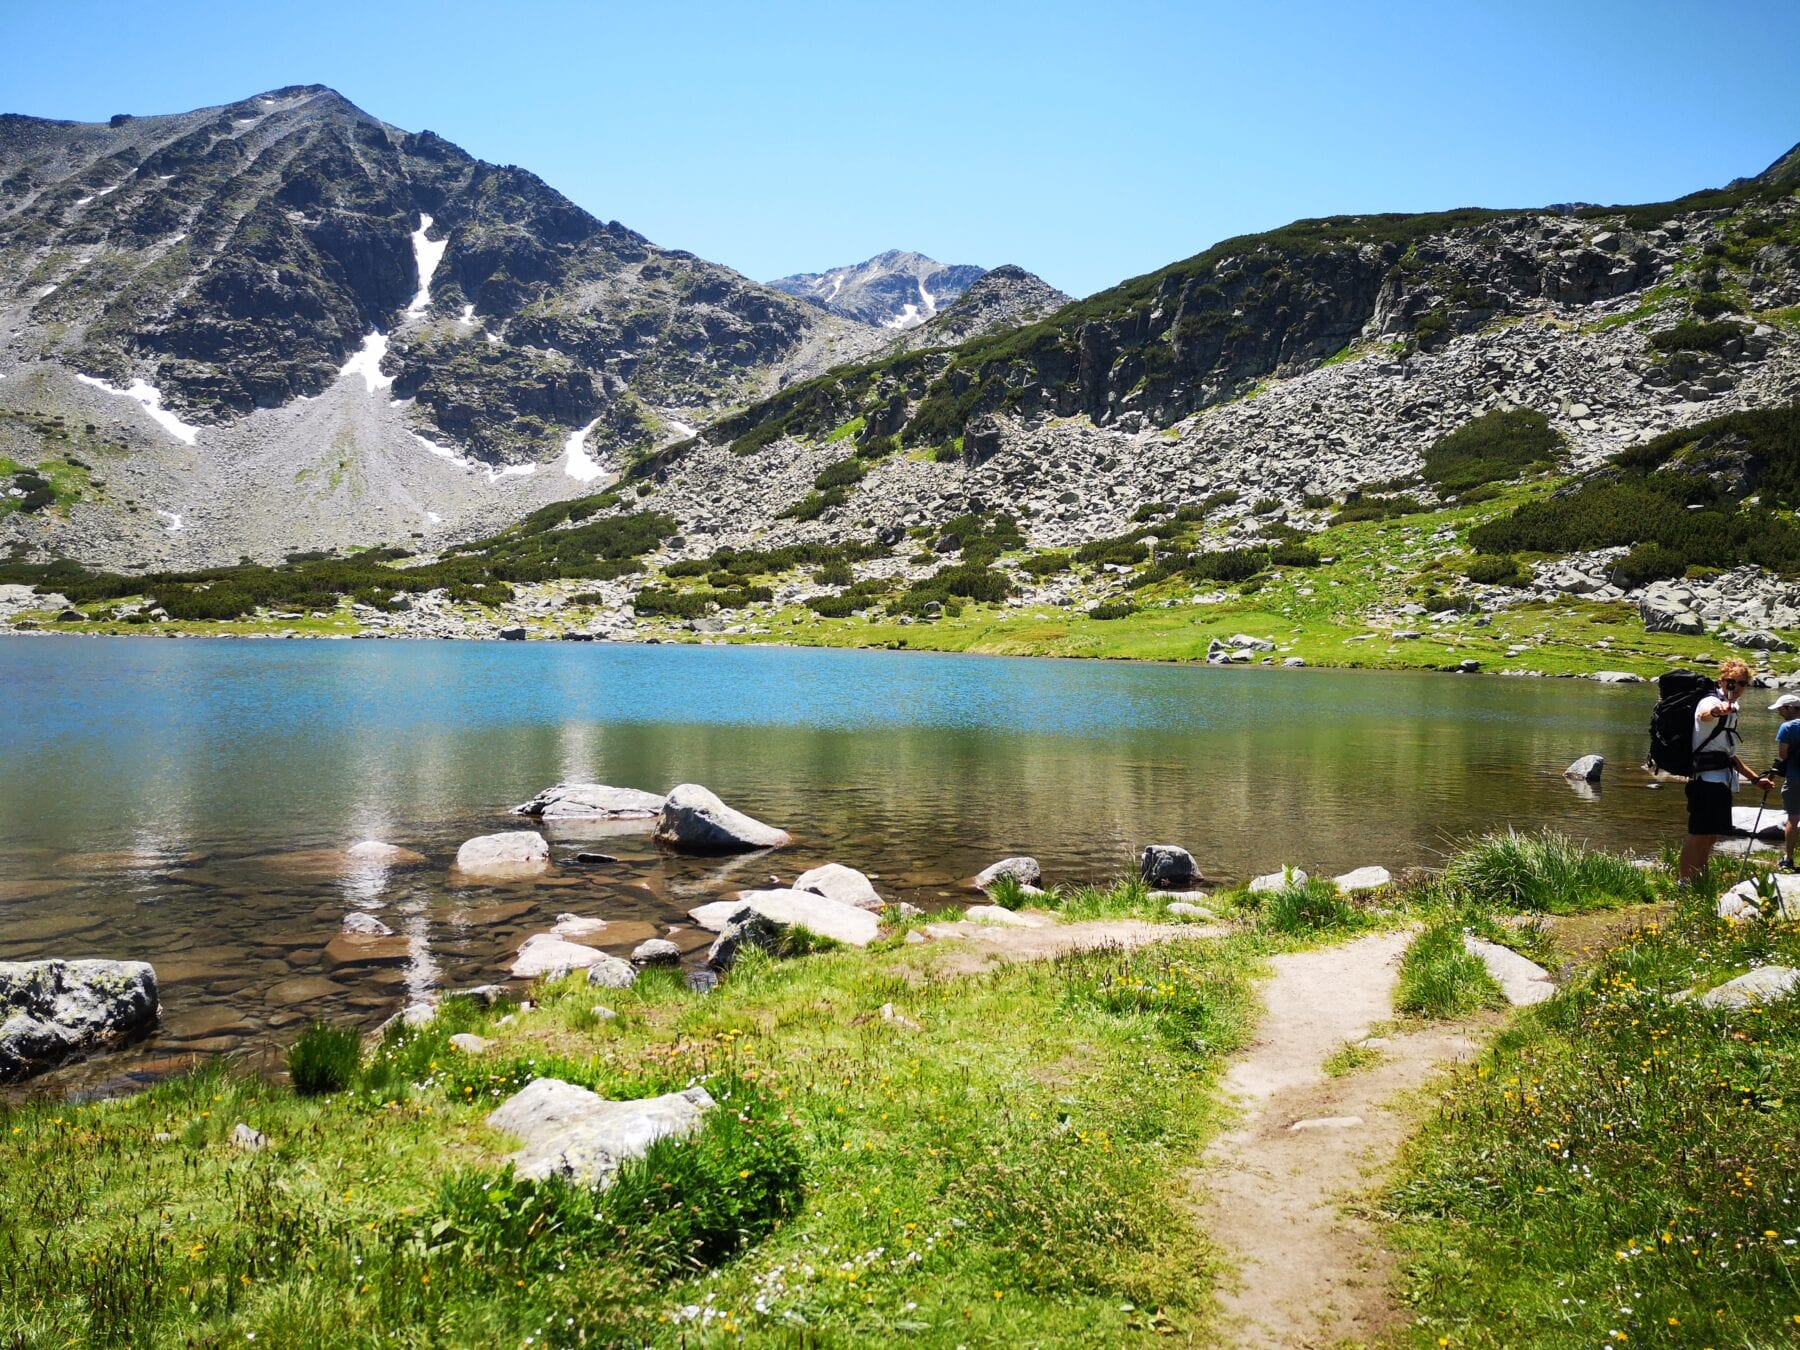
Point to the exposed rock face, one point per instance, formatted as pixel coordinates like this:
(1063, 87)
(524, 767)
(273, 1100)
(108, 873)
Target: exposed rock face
(591, 801)
(694, 820)
(235, 259)
(1007, 297)
(570, 1132)
(53, 1010)
(895, 289)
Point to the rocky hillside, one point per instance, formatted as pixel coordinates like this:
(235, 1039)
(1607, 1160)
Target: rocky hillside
(284, 323)
(895, 289)
(1007, 297)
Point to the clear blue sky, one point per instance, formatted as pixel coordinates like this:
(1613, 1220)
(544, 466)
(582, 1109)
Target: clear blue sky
(1088, 140)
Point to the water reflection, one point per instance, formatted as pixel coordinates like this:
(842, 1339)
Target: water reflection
(190, 802)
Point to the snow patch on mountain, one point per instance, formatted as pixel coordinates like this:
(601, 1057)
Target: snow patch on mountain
(151, 398)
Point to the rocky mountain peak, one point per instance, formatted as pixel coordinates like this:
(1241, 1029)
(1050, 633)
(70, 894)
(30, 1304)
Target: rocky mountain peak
(898, 289)
(1006, 297)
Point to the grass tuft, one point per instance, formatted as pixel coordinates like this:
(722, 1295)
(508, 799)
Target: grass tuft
(324, 1060)
(1545, 873)
(1440, 979)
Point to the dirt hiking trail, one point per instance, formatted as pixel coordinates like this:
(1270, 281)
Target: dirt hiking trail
(1308, 1273)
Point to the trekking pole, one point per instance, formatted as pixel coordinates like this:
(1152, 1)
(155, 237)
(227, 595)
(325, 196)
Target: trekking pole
(1755, 830)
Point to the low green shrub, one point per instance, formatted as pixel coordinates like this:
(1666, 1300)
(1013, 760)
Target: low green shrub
(1688, 336)
(1359, 507)
(1490, 569)
(1111, 611)
(1498, 445)
(1045, 564)
(834, 574)
(843, 474)
(1649, 562)
(324, 1059)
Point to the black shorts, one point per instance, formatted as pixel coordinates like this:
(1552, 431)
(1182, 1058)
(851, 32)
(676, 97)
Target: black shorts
(1709, 807)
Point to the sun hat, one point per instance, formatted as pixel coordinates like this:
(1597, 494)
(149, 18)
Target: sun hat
(1785, 701)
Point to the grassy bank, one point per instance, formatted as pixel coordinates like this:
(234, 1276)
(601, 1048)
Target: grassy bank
(1619, 1168)
(1004, 1164)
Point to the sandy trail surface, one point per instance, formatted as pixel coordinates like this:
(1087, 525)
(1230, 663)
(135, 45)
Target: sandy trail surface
(1309, 1270)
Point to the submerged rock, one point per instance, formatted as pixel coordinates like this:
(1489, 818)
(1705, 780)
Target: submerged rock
(846, 885)
(591, 801)
(570, 1132)
(366, 925)
(515, 851)
(694, 820)
(53, 1010)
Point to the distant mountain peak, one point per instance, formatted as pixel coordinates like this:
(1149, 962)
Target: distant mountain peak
(898, 289)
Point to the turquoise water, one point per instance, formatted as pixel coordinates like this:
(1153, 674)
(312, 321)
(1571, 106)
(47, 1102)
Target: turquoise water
(176, 800)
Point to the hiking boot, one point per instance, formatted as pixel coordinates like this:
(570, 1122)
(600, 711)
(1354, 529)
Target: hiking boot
(1786, 865)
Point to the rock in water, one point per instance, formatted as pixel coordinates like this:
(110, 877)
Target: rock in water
(656, 952)
(591, 801)
(1169, 867)
(1025, 869)
(1587, 769)
(53, 1010)
(846, 885)
(366, 925)
(545, 956)
(515, 852)
(816, 914)
(570, 1132)
(693, 820)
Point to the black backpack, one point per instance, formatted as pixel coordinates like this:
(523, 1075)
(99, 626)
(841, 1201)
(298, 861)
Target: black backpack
(1672, 723)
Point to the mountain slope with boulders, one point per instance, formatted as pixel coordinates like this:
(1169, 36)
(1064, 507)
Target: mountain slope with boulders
(896, 289)
(1006, 297)
(181, 294)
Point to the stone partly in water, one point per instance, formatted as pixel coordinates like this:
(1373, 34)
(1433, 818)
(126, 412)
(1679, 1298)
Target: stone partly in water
(656, 952)
(591, 801)
(693, 820)
(515, 852)
(53, 1010)
(816, 914)
(575, 1134)
(1025, 870)
(545, 956)
(1169, 867)
(846, 885)
(1587, 769)
(1363, 879)
(370, 851)
(366, 925)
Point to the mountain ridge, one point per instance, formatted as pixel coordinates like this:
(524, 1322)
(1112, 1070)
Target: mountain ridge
(897, 289)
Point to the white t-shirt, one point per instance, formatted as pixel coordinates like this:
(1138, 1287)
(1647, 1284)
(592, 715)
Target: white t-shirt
(1707, 734)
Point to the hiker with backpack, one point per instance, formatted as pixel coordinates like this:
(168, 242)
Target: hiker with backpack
(1787, 768)
(1709, 757)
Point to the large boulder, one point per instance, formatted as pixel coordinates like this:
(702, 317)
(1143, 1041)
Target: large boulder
(693, 820)
(515, 852)
(1667, 609)
(53, 1010)
(1166, 867)
(569, 1132)
(1025, 870)
(591, 801)
(744, 929)
(846, 885)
